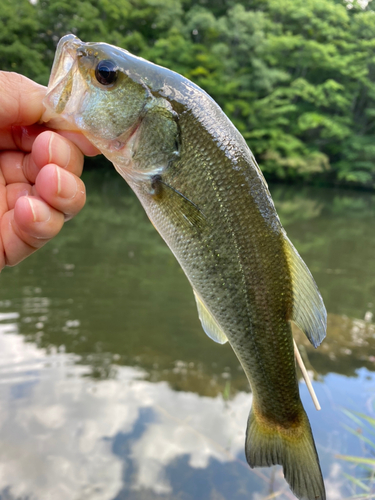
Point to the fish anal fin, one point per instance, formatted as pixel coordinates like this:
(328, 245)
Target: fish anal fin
(209, 323)
(309, 312)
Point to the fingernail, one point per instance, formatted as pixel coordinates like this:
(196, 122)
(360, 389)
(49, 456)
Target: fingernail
(41, 213)
(66, 184)
(58, 151)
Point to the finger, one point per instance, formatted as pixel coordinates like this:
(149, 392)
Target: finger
(3, 201)
(49, 147)
(12, 166)
(81, 141)
(18, 137)
(20, 100)
(28, 227)
(15, 191)
(61, 189)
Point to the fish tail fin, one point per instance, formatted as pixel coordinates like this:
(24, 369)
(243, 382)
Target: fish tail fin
(293, 448)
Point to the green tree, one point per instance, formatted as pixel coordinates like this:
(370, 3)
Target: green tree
(21, 49)
(296, 77)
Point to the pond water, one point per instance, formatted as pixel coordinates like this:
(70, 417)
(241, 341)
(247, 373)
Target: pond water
(109, 388)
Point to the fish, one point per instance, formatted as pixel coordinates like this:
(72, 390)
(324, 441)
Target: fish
(204, 192)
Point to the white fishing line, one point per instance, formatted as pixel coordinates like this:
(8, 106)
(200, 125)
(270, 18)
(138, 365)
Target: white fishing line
(306, 377)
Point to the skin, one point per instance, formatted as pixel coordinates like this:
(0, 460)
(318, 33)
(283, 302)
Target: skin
(40, 186)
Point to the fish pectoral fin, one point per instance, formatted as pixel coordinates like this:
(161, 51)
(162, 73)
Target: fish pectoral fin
(183, 210)
(209, 323)
(309, 312)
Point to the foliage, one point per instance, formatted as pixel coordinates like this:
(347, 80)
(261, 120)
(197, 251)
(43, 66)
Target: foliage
(297, 77)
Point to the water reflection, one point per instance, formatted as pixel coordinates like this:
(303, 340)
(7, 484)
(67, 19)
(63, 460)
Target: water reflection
(109, 389)
(349, 346)
(65, 435)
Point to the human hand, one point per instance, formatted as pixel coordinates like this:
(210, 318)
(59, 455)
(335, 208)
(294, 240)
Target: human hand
(40, 186)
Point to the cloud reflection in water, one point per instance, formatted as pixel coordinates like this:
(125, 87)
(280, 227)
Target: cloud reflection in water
(66, 436)
(58, 427)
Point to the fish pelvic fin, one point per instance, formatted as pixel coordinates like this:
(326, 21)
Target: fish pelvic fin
(309, 312)
(292, 447)
(209, 324)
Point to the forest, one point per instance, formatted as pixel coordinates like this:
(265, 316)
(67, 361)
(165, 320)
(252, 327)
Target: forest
(296, 77)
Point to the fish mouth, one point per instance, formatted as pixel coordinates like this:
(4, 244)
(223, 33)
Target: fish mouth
(64, 58)
(61, 80)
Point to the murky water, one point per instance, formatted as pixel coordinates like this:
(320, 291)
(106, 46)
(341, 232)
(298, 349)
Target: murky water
(110, 390)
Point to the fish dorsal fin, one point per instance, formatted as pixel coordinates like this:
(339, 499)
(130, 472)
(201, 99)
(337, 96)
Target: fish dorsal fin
(309, 312)
(209, 323)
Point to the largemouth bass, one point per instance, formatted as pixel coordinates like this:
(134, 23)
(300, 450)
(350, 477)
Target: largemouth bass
(204, 192)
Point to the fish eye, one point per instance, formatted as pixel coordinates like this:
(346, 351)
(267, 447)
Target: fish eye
(106, 72)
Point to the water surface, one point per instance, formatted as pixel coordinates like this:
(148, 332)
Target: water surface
(109, 388)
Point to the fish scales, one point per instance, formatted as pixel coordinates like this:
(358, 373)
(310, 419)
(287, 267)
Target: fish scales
(204, 192)
(258, 303)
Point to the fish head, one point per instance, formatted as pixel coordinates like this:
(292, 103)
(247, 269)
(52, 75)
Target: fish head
(116, 99)
(91, 89)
